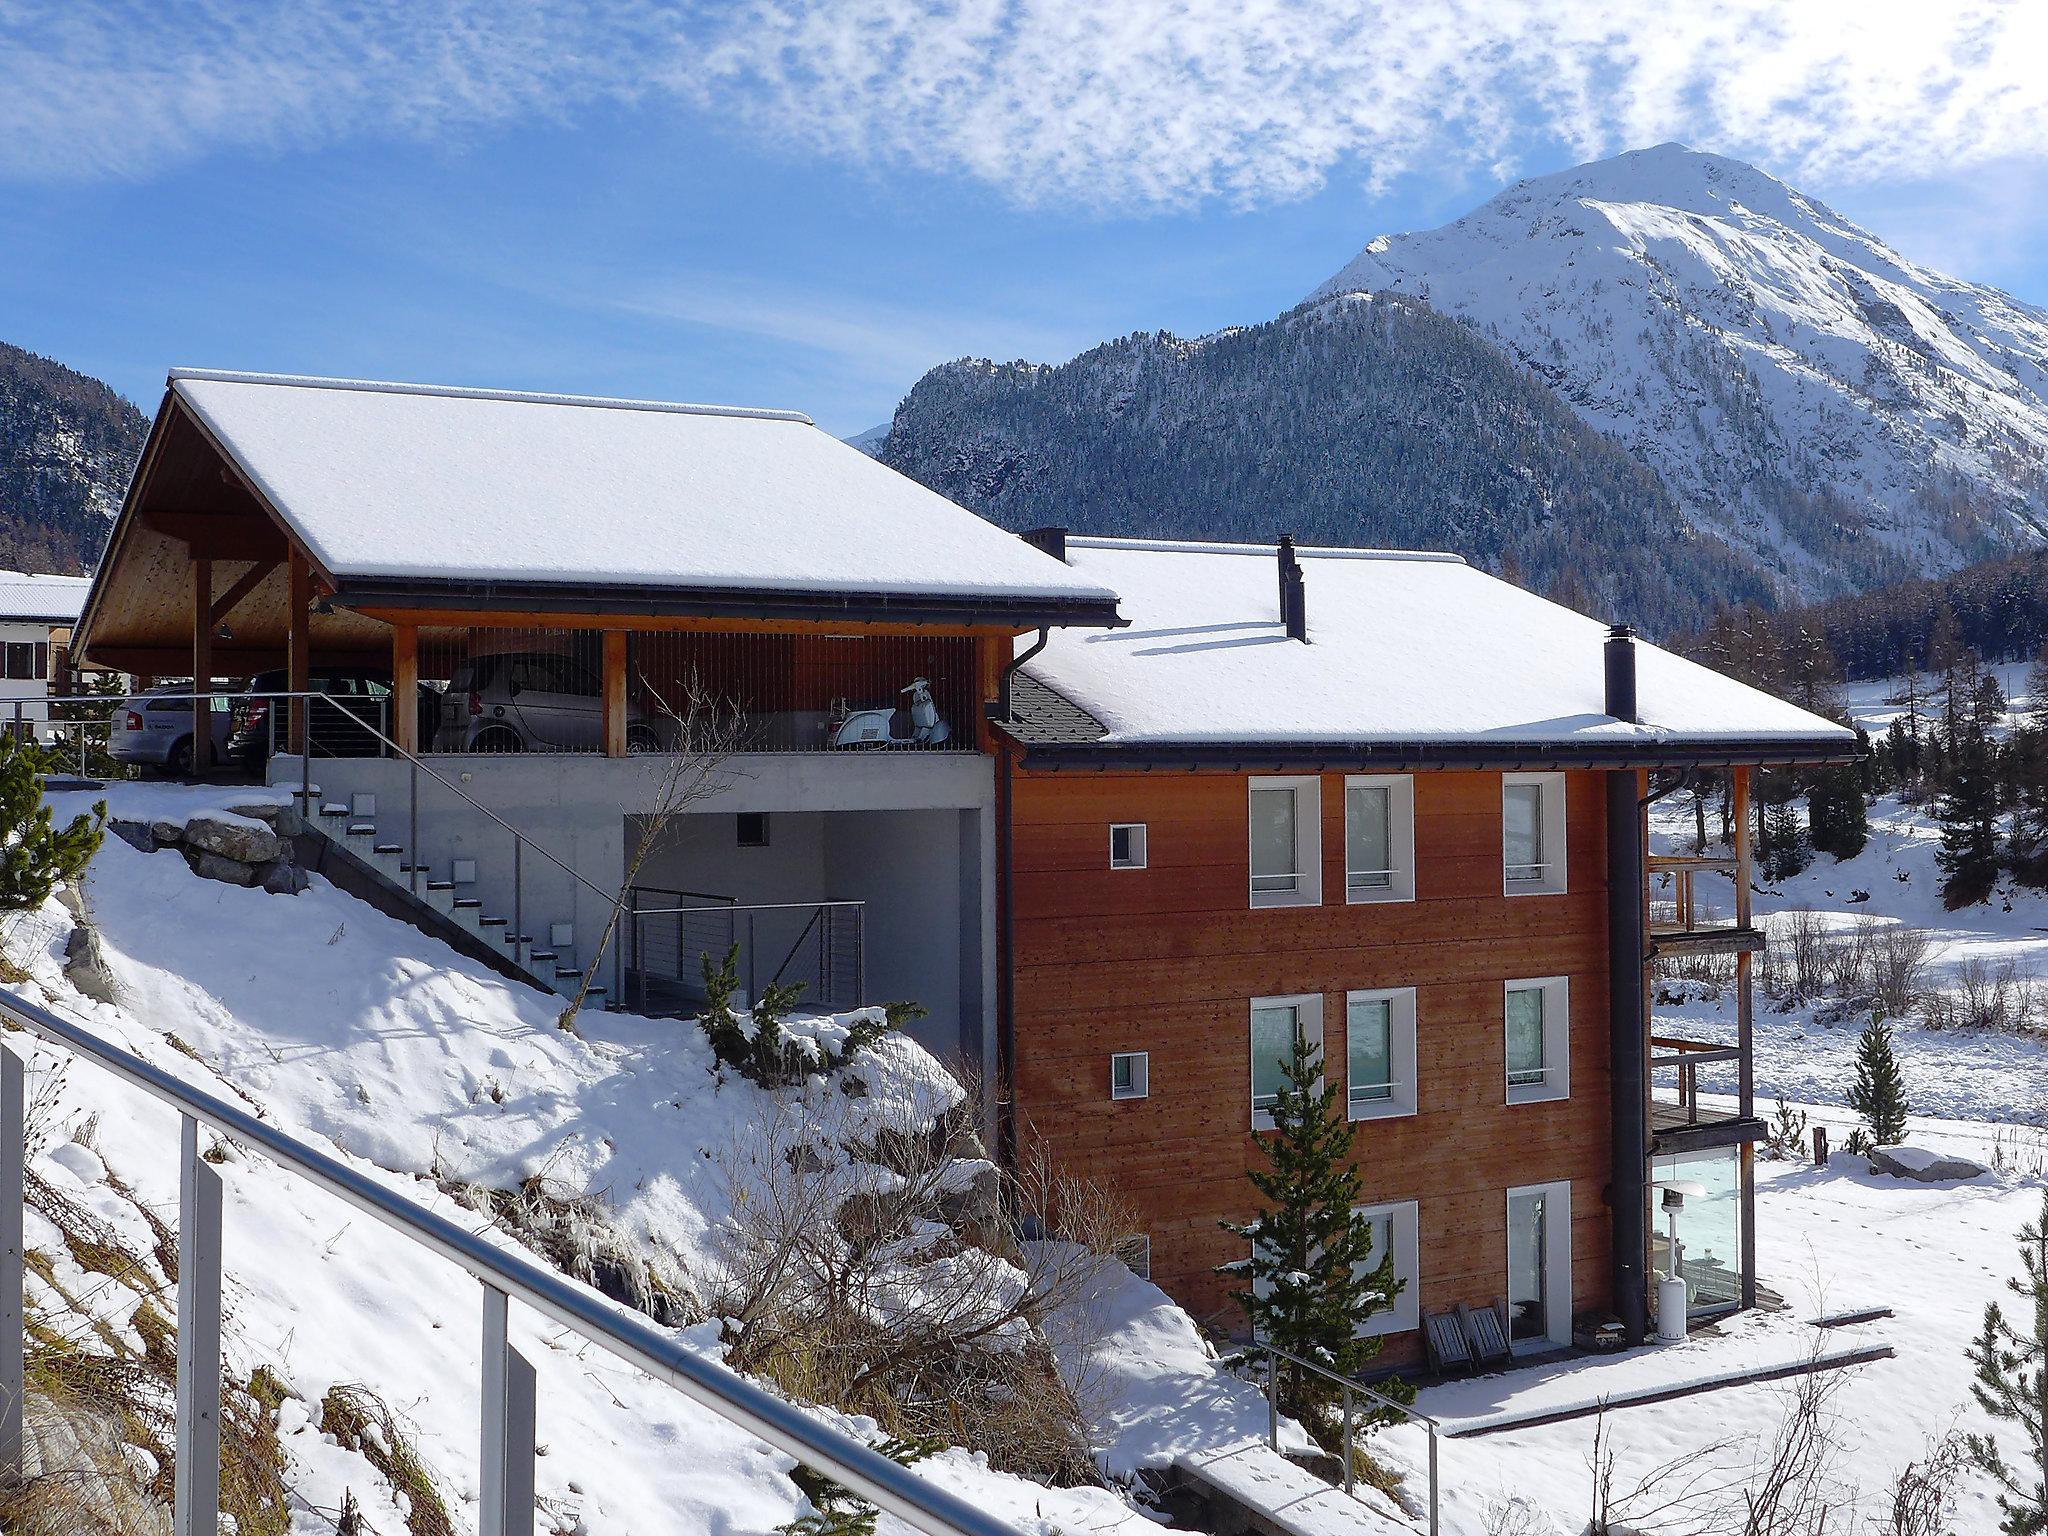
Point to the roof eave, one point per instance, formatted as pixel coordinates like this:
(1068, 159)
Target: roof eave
(989, 610)
(1423, 755)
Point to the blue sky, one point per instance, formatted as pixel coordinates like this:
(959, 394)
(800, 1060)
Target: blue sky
(786, 204)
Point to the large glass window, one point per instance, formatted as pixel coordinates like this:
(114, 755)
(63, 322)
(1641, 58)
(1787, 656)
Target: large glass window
(1273, 840)
(1277, 1022)
(1369, 1039)
(1532, 833)
(1522, 816)
(1699, 1196)
(1286, 836)
(1368, 845)
(1525, 1036)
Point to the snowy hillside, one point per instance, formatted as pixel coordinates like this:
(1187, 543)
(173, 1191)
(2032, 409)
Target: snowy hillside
(67, 446)
(1781, 369)
(438, 1076)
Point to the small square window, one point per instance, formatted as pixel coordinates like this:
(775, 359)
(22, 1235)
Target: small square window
(1127, 845)
(1130, 1075)
(1135, 1253)
(753, 829)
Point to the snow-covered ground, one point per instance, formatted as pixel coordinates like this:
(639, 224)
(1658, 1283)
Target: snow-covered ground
(344, 1025)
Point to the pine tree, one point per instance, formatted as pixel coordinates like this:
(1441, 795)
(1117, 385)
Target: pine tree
(1968, 814)
(2012, 1385)
(1879, 1092)
(1837, 810)
(1314, 1273)
(36, 855)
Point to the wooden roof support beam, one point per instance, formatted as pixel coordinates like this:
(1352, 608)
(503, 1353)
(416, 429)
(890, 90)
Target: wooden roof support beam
(248, 582)
(219, 535)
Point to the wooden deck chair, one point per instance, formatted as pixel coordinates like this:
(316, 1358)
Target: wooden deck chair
(1449, 1349)
(1486, 1330)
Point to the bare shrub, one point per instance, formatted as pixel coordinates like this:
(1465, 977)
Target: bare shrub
(1785, 1138)
(2018, 1150)
(1898, 968)
(1793, 1487)
(1873, 966)
(905, 1277)
(2001, 996)
(1922, 1498)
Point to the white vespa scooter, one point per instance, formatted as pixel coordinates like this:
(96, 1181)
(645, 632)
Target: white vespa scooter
(918, 725)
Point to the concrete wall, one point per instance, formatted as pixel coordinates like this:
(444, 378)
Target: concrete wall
(910, 834)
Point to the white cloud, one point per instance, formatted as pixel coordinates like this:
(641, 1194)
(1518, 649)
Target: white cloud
(1111, 104)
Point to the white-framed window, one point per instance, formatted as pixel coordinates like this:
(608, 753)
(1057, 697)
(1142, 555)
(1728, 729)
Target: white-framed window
(1396, 1226)
(1379, 1053)
(1286, 841)
(1538, 1033)
(1130, 1074)
(1135, 1253)
(1532, 834)
(1127, 845)
(1277, 1022)
(1379, 837)
(1539, 1290)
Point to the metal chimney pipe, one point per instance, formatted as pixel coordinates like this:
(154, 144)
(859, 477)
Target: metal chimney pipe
(1621, 673)
(1053, 541)
(1293, 600)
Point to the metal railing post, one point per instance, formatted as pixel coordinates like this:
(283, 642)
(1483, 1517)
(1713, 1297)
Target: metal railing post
(13, 1315)
(412, 838)
(1272, 1400)
(751, 997)
(518, 899)
(196, 1496)
(1347, 1437)
(508, 1427)
(1433, 1501)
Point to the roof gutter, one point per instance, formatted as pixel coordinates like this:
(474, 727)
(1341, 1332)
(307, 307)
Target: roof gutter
(731, 603)
(1430, 755)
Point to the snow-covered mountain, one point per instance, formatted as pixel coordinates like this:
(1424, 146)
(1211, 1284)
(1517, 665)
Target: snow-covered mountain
(1804, 390)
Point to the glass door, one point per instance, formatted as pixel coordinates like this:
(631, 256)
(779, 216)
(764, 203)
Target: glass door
(1539, 1267)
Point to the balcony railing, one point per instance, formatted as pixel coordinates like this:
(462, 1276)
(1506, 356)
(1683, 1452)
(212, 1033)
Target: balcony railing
(820, 945)
(1684, 909)
(1675, 1071)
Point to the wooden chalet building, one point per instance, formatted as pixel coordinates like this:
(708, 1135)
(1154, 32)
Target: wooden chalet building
(1122, 815)
(1394, 803)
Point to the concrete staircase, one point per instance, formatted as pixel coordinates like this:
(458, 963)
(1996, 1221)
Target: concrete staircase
(371, 860)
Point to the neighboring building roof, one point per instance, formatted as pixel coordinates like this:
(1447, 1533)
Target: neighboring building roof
(397, 488)
(32, 595)
(1415, 658)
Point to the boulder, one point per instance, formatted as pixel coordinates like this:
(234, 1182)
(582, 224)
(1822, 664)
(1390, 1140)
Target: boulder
(135, 834)
(168, 833)
(266, 811)
(218, 866)
(232, 837)
(1919, 1163)
(85, 963)
(281, 877)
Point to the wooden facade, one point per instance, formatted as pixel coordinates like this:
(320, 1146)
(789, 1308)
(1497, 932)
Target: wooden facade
(1166, 959)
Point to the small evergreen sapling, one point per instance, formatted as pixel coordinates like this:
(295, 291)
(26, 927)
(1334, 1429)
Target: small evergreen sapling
(1314, 1274)
(37, 855)
(2012, 1385)
(1879, 1092)
(756, 1045)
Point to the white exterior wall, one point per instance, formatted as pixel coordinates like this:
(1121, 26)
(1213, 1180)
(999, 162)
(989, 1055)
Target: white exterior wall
(20, 631)
(911, 834)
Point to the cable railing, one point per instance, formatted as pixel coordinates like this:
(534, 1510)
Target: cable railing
(670, 933)
(1350, 1391)
(506, 1439)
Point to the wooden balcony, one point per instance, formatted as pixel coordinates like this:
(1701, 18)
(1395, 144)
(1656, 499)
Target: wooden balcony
(1679, 1120)
(1685, 918)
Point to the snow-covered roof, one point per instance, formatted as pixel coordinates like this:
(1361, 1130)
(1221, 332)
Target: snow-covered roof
(1402, 648)
(409, 482)
(32, 595)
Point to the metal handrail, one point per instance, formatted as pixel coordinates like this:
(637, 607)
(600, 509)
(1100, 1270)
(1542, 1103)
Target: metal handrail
(1350, 1386)
(507, 1273)
(764, 906)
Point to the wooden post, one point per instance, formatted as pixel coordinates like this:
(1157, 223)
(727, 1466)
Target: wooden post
(1745, 1067)
(405, 687)
(202, 664)
(991, 655)
(299, 647)
(615, 693)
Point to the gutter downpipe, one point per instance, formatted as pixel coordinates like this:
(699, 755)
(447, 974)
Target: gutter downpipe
(1006, 925)
(1628, 1043)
